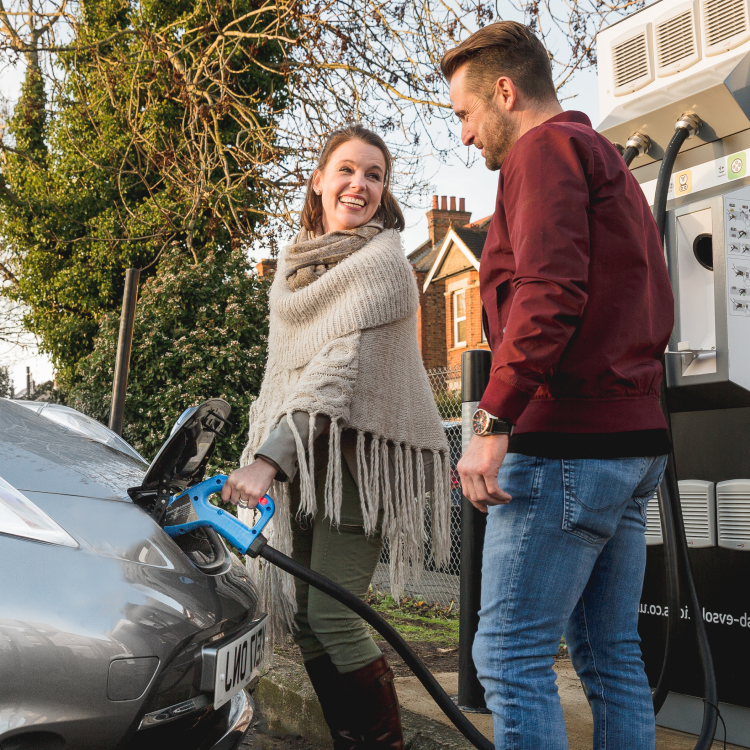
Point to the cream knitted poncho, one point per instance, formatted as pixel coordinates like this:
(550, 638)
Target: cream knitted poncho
(346, 347)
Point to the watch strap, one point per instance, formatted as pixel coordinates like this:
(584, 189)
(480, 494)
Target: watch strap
(492, 425)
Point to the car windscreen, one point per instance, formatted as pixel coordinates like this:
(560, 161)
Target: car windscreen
(43, 455)
(83, 425)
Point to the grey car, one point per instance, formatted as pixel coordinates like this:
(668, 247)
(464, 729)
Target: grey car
(112, 635)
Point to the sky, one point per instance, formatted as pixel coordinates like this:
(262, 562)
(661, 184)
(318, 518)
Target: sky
(15, 358)
(476, 184)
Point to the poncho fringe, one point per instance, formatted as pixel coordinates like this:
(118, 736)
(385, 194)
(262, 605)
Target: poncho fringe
(363, 371)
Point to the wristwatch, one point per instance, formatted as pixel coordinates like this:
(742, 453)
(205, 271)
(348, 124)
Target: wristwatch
(483, 423)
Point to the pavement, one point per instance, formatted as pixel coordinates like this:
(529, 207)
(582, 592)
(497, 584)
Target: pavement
(287, 703)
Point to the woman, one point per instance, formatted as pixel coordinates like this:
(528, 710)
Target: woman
(346, 430)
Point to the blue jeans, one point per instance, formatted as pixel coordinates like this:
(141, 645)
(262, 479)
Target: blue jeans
(566, 556)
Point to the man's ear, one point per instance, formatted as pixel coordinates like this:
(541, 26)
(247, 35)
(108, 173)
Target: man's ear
(505, 94)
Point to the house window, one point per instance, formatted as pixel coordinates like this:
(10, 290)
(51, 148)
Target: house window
(459, 318)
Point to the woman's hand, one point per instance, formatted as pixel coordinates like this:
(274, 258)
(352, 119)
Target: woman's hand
(248, 484)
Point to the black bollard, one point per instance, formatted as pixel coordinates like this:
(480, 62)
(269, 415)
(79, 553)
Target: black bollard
(475, 374)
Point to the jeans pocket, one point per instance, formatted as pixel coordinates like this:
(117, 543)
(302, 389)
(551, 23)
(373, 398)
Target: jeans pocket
(596, 492)
(650, 483)
(642, 503)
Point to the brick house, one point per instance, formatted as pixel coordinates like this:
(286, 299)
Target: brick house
(446, 265)
(447, 270)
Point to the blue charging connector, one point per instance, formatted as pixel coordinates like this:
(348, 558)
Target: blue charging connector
(191, 510)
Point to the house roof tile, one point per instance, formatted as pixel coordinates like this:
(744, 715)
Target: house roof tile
(416, 257)
(473, 239)
(472, 235)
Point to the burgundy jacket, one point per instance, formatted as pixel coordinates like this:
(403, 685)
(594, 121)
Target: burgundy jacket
(577, 301)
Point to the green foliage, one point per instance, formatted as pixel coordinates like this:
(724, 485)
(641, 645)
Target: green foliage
(47, 392)
(136, 152)
(415, 620)
(448, 404)
(5, 384)
(200, 332)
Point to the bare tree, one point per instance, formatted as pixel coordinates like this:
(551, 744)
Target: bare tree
(143, 127)
(376, 61)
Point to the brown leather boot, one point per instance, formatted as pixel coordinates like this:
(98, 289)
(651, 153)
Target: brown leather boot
(373, 697)
(337, 711)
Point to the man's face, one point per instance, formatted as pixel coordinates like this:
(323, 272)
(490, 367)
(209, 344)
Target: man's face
(484, 123)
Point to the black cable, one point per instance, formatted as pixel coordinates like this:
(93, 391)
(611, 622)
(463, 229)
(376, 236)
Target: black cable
(722, 722)
(664, 178)
(629, 154)
(671, 563)
(710, 692)
(671, 560)
(373, 618)
(671, 494)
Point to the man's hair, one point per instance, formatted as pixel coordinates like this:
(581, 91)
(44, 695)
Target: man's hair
(505, 48)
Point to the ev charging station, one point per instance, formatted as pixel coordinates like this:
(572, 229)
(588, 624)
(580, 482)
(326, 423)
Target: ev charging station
(671, 60)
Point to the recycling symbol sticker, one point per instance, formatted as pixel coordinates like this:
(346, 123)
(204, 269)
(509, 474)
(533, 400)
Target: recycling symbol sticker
(736, 166)
(683, 183)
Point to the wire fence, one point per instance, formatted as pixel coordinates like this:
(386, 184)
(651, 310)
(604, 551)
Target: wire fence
(439, 585)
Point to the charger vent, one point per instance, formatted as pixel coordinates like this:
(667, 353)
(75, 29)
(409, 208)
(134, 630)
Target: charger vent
(653, 521)
(631, 63)
(676, 42)
(725, 24)
(698, 502)
(733, 511)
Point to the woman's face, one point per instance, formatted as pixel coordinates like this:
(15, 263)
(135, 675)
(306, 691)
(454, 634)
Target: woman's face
(350, 185)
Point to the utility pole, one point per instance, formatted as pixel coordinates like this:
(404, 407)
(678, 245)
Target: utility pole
(124, 345)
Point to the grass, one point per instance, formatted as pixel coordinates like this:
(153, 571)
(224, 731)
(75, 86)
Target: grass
(417, 621)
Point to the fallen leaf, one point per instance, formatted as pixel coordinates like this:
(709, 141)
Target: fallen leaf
(447, 650)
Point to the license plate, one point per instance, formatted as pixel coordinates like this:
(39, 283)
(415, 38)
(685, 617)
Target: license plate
(238, 662)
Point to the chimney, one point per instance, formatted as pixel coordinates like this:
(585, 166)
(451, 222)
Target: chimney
(440, 220)
(266, 267)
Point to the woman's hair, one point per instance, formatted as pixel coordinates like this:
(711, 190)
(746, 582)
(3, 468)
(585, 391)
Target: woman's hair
(389, 212)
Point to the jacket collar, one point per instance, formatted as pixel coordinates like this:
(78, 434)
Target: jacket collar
(570, 116)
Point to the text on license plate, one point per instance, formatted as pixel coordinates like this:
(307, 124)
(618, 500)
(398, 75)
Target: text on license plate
(238, 662)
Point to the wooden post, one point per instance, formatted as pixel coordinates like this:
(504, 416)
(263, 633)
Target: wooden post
(124, 344)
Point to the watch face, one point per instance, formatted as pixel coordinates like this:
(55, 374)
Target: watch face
(480, 422)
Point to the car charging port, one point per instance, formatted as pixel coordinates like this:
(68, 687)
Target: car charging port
(206, 550)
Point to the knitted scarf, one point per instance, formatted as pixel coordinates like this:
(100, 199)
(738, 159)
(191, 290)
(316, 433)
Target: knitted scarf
(345, 346)
(310, 256)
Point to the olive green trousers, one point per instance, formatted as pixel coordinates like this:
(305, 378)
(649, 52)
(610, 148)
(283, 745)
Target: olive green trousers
(345, 555)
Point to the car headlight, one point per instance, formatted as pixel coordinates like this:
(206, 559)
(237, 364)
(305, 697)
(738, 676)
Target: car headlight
(20, 517)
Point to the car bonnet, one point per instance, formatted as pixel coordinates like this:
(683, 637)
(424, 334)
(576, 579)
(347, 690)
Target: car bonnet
(42, 456)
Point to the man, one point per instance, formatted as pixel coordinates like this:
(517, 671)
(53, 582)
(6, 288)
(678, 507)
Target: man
(570, 442)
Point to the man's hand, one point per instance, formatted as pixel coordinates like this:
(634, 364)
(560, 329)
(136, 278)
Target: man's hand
(479, 467)
(248, 484)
